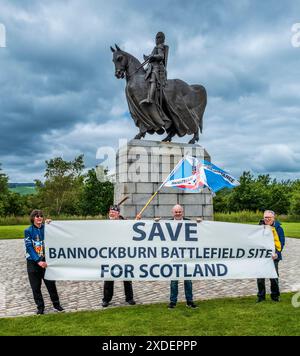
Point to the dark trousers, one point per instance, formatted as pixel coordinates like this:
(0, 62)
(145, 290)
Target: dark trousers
(261, 285)
(109, 291)
(188, 290)
(36, 275)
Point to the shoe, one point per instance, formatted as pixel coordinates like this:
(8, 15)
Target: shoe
(275, 299)
(58, 308)
(191, 305)
(172, 305)
(105, 304)
(40, 311)
(131, 302)
(259, 299)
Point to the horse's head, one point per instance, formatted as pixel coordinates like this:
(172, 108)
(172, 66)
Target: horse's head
(121, 62)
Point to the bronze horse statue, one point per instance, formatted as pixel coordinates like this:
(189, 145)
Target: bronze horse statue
(178, 112)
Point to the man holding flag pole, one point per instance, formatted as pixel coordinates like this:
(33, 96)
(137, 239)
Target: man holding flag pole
(194, 175)
(177, 212)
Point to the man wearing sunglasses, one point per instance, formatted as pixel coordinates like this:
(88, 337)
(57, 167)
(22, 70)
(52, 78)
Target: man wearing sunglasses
(279, 241)
(108, 290)
(36, 264)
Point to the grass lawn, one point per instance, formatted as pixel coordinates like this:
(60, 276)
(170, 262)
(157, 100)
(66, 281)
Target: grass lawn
(17, 231)
(291, 229)
(229, 316)
(23, 190)
(12, 232)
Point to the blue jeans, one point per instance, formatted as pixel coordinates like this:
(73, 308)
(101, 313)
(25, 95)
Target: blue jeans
(188, 290)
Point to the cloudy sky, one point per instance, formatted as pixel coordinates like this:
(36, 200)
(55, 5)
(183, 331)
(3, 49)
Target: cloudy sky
(59, 96)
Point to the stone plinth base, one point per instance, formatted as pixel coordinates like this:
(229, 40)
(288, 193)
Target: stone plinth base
(141, 167)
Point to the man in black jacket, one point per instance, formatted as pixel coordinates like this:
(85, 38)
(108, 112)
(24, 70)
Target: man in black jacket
(114, 214)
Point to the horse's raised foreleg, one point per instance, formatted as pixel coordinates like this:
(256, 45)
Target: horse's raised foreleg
(195, 138)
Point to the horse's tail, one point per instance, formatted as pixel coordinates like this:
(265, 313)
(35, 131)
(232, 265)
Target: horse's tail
(200, 108)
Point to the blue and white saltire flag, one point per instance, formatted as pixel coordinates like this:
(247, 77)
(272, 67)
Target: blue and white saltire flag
(193, 174)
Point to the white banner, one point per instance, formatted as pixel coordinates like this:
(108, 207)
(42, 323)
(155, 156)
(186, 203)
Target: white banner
(165, 250)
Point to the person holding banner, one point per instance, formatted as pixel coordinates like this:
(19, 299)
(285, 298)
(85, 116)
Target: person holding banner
(279, 240)
(36, 265)
(108, 290)
(177, 212)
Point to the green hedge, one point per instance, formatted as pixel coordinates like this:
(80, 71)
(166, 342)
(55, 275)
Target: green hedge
(24, 220)
(239, 217)
(250, 216)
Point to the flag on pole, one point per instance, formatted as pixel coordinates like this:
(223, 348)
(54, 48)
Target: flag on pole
(193, 174)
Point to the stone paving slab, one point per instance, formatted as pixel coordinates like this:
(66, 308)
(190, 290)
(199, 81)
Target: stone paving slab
(16, 296)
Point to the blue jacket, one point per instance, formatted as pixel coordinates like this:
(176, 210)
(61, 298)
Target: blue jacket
(34, 243)
(280, 233)
(281, 236)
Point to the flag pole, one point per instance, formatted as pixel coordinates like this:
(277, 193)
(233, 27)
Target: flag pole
(159, 188)
(148, 202)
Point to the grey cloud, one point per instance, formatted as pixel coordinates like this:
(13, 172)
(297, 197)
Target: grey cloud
(58, 77)
(276, 158)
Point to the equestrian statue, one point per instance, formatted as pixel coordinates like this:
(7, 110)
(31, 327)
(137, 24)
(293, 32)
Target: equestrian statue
(157, 104)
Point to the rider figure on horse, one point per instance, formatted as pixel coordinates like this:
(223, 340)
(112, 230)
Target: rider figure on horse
(156, 70)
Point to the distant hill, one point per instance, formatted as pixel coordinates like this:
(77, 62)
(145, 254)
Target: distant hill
(22, 188)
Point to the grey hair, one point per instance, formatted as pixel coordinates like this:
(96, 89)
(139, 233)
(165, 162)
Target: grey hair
(176, 206)
(269, 212)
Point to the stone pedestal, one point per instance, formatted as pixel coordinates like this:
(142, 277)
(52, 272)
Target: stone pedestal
(141, 167)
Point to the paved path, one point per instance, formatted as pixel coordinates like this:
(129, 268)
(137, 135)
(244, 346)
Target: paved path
(16, 296)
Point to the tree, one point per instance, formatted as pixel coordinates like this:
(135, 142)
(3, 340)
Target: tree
(97, 195)
(295, 198)
(280, 196)
(251, 194)
(254, 194)
(295, 203)
(3, 192)
(15, 204)
(32, 201)
(63, 185)
(221, 201)
(3, 182)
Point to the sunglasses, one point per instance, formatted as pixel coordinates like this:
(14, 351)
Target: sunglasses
(39, 216)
